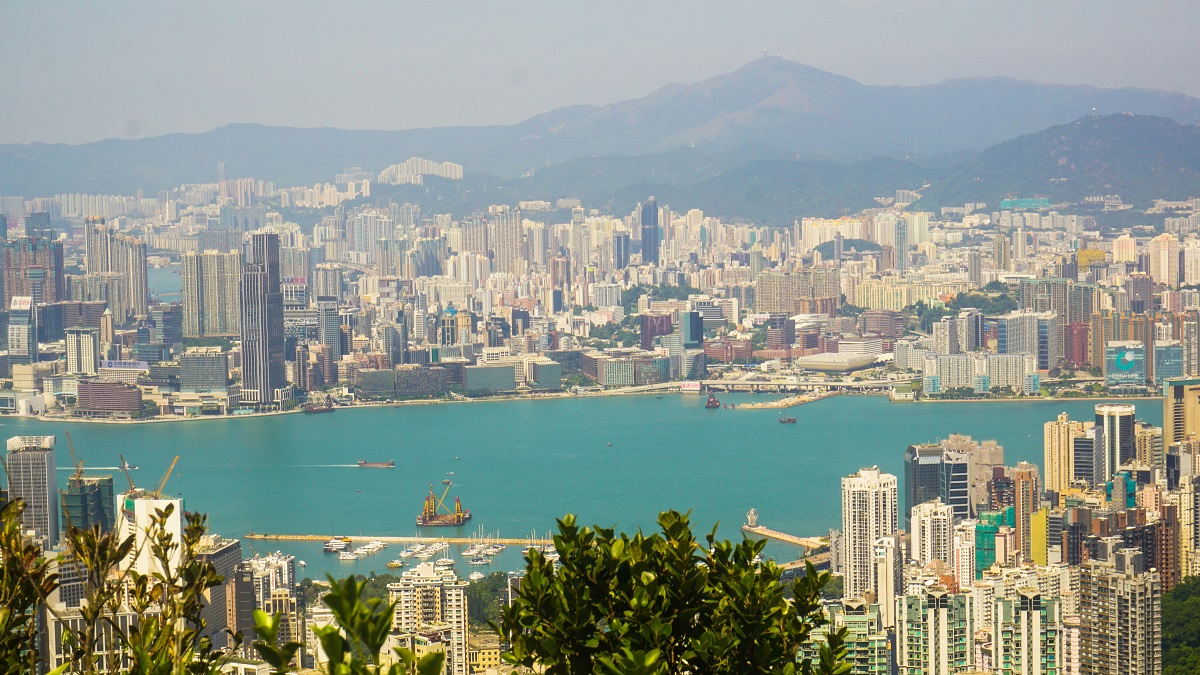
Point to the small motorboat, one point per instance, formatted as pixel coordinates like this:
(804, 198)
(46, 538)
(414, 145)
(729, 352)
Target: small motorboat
(609, 445)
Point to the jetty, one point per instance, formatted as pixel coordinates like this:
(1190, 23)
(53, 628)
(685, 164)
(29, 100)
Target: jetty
(789, 402)
(752, 527)
(402, 540)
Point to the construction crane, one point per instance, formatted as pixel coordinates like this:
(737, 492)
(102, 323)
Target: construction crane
(163, 483)
(75, 460)
(125, 470)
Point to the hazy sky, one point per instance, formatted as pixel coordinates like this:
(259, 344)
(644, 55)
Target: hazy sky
(80, 71)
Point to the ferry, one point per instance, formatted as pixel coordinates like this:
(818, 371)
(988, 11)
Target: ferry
(712, 403)
(363, 464)
(336, 544)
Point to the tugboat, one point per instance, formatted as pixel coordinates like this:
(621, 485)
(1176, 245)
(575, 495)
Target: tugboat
(712, 403)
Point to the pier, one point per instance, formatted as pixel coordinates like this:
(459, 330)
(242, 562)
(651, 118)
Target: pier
(752, 527)
(403, 540)
(809, 543)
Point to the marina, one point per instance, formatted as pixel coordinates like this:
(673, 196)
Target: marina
(401, 540)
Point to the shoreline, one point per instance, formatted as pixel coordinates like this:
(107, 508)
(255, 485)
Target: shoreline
(778, 403)
(1035, 399)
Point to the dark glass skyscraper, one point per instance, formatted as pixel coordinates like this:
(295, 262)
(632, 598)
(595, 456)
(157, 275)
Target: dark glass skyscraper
(651, 234)
(263, 370)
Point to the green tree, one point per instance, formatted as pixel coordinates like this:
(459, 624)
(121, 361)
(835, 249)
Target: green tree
(1181, 628)
(25, 579)
(662, 604)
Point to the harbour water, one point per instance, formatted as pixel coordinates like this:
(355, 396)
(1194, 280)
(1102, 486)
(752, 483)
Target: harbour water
(518, 465)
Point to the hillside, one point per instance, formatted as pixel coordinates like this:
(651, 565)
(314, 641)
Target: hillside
(1136, 156)
(768, 109)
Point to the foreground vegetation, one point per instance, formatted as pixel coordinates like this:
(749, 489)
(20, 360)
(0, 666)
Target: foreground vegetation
(662, 604)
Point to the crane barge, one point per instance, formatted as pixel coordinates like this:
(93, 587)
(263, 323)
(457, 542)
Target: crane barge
(435, 513)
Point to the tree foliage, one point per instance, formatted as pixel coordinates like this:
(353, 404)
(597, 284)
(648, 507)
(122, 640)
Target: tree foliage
(662, 604)
(1181, 628)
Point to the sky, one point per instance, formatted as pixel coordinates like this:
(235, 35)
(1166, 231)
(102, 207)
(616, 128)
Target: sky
(72, 72)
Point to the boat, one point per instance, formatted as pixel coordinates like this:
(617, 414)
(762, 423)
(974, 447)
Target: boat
(443, 564)
(477, 576)
(445, 481)
(336, 544)
(363, 464)
(347, 555)
(395, 564)
(449, 473)
(302, 563)
(316, 408)
(610, 445)
(712, 403)
(658, 397)
(479, 561)
(435, 513)
(787, 420)
(128, 467)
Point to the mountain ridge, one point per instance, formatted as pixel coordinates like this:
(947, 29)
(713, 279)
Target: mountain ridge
(768, 103)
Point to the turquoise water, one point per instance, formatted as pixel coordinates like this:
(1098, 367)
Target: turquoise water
(166, 283)
(524, 463)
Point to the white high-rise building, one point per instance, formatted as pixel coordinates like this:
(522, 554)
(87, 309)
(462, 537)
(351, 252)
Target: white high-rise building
(83, 351)
(869, 513)
(436, 600)
(30, 467)
(932, 536)
(136, 514)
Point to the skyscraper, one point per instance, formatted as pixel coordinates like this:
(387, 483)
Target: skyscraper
(1028, 497)
(1116, 437)
(263, 369)
(1121, 601)
(1181, 410)
(106, 250)
(30, 467)
(935, 632)
(88, 502)
(22, 332)
(651, 234)
(1058, 437)
(509, 243)
(34, 267)
(433, 599)
(1027, 634)
(83, 351)
(932, 471)
(932, 533)
(868, 514)
(329, 325)
(211, 299)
